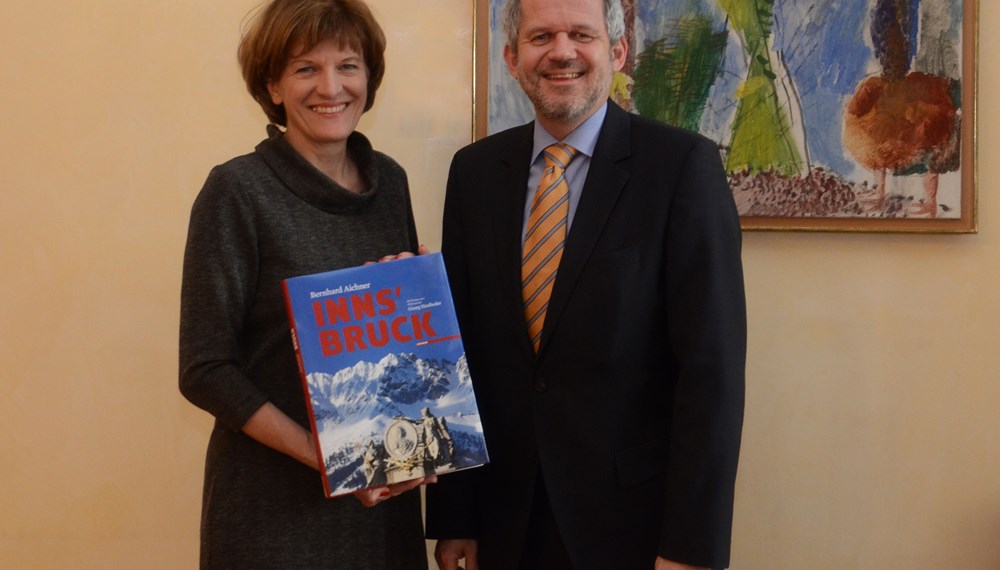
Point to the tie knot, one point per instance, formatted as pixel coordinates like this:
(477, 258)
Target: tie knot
(559, 155)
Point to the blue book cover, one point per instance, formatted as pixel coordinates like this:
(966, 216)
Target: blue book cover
(384, 373)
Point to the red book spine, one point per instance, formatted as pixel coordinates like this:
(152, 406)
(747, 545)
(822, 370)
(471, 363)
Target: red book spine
(305, 387)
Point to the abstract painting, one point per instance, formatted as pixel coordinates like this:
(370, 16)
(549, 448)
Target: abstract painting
(839, 115)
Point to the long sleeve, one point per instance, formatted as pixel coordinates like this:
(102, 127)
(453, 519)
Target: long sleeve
(451, 502)
(220, 275)
(707, 340)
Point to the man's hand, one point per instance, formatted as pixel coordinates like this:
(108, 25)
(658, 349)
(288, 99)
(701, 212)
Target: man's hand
(375, 495)
(449, 552)
(664, 564)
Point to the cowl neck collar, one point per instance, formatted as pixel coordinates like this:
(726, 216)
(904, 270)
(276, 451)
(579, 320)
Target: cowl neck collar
(313, 186)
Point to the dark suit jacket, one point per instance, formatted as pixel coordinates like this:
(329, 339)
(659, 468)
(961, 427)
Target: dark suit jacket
(633, 408)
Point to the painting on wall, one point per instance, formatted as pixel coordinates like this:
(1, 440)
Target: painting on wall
(830, 115)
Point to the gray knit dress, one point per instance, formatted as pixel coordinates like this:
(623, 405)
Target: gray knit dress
(261, 218)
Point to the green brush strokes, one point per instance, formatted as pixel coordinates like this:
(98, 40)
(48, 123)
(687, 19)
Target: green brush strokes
(673, 79)
(761, 132)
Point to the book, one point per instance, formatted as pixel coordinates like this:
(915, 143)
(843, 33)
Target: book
(384, 374)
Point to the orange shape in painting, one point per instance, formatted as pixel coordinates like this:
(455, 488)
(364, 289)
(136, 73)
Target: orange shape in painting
(898, 124)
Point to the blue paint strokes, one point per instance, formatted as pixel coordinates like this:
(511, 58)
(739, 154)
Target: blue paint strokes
(507, 104)
(824, 44)
(828, 54)
(913, 19)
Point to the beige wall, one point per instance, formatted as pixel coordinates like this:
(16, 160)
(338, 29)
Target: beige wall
(872, 431)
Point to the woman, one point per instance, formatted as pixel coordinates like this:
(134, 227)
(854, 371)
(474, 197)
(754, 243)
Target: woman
(313, 197)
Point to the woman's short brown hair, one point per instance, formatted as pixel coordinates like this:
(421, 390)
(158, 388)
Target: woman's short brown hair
(286, 26)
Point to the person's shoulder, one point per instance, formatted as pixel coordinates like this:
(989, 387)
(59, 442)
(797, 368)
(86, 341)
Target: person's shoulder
(244, 166)
(233, 180)
(651, 130)
(365, 153)
(389, 174)
(386, 163)
(361, 149)
(497, 143)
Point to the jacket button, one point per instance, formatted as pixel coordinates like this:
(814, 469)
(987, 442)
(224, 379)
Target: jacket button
(541, 386)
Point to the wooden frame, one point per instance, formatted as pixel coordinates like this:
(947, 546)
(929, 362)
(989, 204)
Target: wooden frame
(929, 186)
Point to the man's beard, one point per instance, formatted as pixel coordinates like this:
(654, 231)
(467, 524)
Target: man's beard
(560, 109)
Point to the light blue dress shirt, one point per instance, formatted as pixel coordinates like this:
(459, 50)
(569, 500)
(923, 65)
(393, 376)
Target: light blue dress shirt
(583, 139)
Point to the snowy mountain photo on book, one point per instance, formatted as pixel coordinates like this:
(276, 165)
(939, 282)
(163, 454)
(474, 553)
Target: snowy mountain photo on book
(384, 372)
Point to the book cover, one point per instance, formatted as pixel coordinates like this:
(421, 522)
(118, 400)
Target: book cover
(384, 373)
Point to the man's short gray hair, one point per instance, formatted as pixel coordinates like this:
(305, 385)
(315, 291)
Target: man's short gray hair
(614, 21)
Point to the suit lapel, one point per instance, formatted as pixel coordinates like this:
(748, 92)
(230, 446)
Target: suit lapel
(509, 203)
(605, 180)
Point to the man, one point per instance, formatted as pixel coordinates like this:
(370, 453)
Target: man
(614, 423)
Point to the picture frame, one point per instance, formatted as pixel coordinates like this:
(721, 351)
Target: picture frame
(872, 65)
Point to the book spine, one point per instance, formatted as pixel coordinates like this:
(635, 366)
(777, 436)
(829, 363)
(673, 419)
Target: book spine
(305, 387)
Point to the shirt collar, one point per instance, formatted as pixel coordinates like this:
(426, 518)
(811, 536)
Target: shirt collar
(583, 138)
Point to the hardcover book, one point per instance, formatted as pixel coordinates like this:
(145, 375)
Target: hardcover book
(384, 373)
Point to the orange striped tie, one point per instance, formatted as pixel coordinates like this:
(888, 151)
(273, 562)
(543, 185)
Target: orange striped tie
(545, 238)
